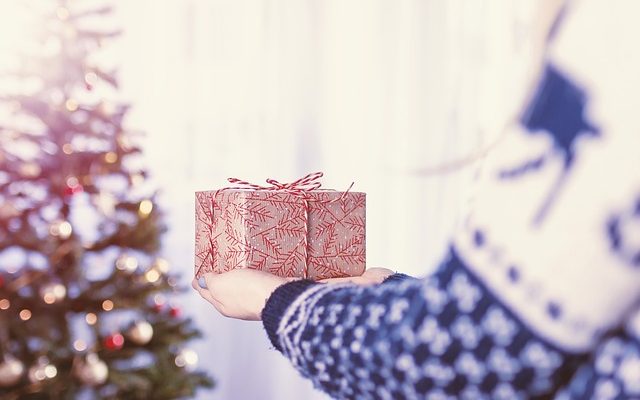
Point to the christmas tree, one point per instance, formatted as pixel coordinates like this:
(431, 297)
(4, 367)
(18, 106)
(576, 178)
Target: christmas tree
(86, 303)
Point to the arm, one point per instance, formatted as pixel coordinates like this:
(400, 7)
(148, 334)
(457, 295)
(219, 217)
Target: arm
(408, 338)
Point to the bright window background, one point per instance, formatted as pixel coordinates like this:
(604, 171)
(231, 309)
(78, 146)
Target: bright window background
(365, 90)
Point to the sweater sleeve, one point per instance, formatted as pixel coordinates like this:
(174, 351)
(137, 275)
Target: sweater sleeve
(283, 296)
(442, 336)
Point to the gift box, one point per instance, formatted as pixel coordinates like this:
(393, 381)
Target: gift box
(291, 230)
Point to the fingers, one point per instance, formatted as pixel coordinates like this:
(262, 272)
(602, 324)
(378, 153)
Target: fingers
(378, 272)
(207, 295)
(358, 280)
(336, 280)
(202, 282)
(204, 293)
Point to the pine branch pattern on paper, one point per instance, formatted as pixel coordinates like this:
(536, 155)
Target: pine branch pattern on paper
(281, 233)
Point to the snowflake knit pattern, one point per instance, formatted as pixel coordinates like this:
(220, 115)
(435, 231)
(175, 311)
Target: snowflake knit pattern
(436, 338)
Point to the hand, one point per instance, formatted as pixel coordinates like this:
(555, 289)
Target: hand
(242, 293)
(372, 276)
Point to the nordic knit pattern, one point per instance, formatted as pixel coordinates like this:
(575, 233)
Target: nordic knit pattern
(614, 370)
(443, 337)
(535, 297)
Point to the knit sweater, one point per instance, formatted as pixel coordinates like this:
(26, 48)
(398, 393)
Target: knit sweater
(536, 297)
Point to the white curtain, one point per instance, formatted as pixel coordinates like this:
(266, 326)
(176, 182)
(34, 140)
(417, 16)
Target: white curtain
(369, 91)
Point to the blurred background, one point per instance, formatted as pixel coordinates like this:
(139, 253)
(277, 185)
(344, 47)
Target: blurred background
(394, 95)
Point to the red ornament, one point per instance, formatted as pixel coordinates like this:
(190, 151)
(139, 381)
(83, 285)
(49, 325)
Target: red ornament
(158, 307)
(73, 186)
(175, 312)
(70, 191)
(114, 341)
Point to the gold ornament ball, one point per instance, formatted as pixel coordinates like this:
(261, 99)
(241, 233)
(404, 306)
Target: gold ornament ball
(11, 370)
(92, 370)
(140, 333)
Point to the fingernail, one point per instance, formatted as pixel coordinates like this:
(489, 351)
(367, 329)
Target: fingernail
(202, 282)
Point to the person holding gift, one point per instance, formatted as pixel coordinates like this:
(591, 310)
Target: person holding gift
(539, 296)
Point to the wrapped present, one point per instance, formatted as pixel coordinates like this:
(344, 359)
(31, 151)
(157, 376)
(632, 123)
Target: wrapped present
(291, 230)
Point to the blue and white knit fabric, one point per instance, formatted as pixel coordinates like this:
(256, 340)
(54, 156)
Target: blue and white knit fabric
(613, 372)
(442, 337)
(536, 297)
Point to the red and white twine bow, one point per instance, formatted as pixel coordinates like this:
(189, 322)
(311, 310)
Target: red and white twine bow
(300, 187)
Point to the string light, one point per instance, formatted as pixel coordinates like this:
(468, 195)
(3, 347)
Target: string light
(127, 263)
(145, 208)
(137, 179)
(67, 148)
(72, 181)
(111, 157)
(25, 315)
(42, 370)
(71, 105)
(107, 108)
(63, 229)
(73, 186)
(91, 318)
(50, 371)
(53, 292)
(107, 305)
(186, 358)
(124, 142)
(91, 78)
(161, 265)
(80, 345)
(30, 169)
(4, 304)
(159, 300)
(152, 275)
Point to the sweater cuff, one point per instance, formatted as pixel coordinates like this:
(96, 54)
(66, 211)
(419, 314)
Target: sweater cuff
(278, 302)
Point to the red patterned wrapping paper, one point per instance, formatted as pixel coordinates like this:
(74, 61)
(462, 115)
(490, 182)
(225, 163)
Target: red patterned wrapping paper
(316, 236)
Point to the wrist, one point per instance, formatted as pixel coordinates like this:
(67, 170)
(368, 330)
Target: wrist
(277, 303)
